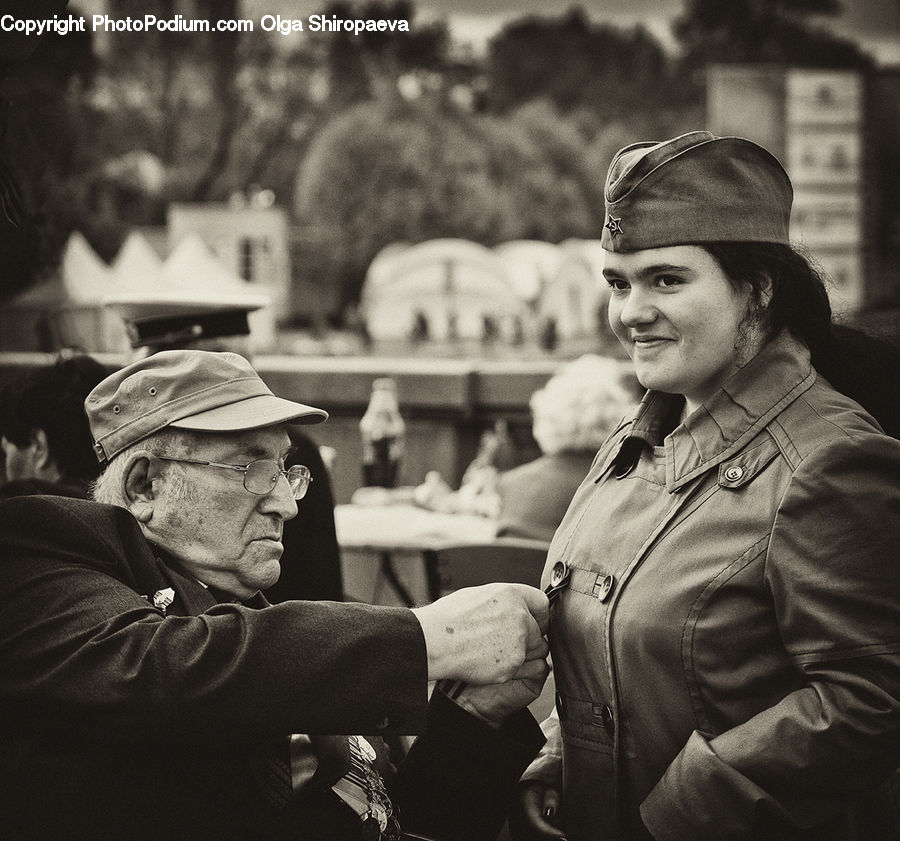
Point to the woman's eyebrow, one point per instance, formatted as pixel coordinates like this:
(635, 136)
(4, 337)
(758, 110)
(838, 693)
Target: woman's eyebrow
(661, 268)
(646, 271)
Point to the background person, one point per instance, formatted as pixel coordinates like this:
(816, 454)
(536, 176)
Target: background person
(311, 563)
(726, 638)
(572, 416)
(146, 681)
(44, 430)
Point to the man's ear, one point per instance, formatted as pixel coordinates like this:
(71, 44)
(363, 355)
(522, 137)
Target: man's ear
(138, 478)
(40, 448)
(765, 291)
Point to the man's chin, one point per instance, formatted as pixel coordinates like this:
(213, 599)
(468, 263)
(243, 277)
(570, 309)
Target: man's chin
(270, 573)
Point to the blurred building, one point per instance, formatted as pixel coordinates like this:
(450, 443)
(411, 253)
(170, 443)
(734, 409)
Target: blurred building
(250, 238)
(837, 132)
(451, 290)
(531, 265)
(576, 294)
(442, 290)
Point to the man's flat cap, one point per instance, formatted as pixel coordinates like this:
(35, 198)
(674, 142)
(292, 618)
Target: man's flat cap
(185, 389)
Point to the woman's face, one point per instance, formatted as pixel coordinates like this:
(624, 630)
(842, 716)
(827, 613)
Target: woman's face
(680, 319)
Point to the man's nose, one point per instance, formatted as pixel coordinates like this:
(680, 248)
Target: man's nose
(280, 500)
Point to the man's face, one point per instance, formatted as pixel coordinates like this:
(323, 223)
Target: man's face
(222, 534)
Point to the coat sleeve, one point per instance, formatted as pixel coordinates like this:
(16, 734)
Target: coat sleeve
(459, 777)
(547, 765)
(80, 645)
(833, 573)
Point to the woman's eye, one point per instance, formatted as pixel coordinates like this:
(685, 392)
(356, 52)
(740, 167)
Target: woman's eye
(667, 281)
(616, 284)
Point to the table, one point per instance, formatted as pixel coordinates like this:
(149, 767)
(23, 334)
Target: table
(400, 533)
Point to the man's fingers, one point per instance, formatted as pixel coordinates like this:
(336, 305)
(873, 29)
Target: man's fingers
(537, 647)
(532, 670)
(538, 604)
(541, 807)
(551, 803)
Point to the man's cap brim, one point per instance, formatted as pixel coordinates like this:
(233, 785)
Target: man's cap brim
(252, 413)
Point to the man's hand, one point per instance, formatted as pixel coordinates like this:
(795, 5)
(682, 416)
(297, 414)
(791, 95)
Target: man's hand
(484, 635)
(494, 703)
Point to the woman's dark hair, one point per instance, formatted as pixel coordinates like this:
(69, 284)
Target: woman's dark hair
(52, 398)
(859, 365)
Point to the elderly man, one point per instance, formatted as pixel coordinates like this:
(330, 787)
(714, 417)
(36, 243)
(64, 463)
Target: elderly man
(157, 320)
(148, 689)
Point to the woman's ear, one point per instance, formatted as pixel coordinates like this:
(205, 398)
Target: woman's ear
(138, 488)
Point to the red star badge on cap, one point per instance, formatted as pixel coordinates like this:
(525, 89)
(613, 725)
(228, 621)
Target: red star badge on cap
(613, 226)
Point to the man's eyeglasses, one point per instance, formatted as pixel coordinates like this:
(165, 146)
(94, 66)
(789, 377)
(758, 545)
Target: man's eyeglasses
(260, 477)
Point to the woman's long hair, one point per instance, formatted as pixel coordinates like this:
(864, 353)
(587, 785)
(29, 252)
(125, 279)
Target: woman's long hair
(861, 366)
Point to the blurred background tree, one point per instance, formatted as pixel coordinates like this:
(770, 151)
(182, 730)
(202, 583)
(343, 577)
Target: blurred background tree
(763, 31)
(386, 171)
(42, 82)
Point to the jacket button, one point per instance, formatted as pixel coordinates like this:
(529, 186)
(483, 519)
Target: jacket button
(558, 574)
(609, 724)
(732, 474)
(603, 587)
(560, 705)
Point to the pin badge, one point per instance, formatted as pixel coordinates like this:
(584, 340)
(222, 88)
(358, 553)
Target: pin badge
(613, 226)
(163, 598)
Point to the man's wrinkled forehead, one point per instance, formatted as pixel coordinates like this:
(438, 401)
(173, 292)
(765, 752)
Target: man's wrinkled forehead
(267, 442)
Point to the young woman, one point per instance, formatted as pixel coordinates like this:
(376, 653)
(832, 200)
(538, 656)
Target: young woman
(726, 626)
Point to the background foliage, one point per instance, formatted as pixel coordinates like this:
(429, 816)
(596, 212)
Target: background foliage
(372, 139)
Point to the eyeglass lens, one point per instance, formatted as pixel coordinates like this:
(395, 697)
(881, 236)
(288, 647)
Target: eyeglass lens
(261, 477)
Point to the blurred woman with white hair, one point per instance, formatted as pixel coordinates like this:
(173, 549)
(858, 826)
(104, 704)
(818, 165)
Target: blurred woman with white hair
(573, 414)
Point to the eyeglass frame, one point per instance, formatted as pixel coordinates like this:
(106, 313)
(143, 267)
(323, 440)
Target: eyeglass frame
(244, 468)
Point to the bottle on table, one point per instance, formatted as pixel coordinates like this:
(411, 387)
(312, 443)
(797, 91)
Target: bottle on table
(383, 436)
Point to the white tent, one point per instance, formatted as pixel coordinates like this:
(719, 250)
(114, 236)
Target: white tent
(86, 278)
(575, 296)
(451, 284)
(190, 278)
(531, 265)
(64, 311)
(137, 267)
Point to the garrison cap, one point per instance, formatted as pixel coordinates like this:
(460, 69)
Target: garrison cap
(695, 188)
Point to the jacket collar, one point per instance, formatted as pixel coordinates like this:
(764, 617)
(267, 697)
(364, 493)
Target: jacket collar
(742, 407)
(192, 595)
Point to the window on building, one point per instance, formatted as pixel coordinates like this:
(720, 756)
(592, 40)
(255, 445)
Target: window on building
(825, 95)
(840, 160)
